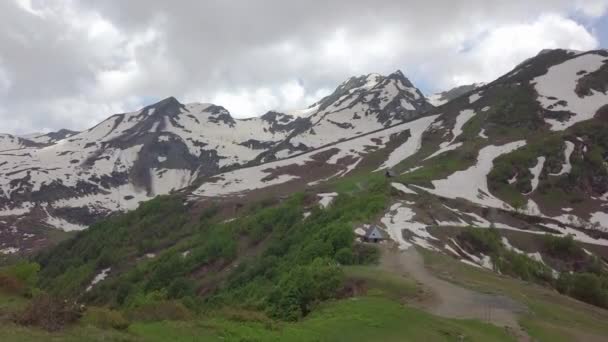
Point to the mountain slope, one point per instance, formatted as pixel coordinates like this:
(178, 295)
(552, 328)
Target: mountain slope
(494, 181)
(68, 180)
(444, 97)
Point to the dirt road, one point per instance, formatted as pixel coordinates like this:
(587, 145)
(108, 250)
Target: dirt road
(453, 301)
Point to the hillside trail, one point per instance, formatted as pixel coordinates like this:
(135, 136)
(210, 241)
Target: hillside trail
(450, 300)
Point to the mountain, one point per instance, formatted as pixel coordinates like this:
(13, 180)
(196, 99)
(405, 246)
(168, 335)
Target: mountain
(68, 180)
(504, 187)
(526, 153)
(359, 105)
(441, 98)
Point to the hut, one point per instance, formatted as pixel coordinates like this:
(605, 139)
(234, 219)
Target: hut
(371, 233)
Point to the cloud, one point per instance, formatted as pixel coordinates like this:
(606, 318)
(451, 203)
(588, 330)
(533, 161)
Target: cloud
(71, 63)
(500, 49)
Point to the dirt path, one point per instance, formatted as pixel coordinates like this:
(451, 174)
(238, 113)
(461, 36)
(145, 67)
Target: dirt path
(450, 300)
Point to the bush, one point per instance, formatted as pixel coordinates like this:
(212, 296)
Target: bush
(25, 271)
(49, 313)
(345, 256)
(564, 248)
(299, 290)
(523, 267)
(105, 318)
(365, 254)
(486, 241)
(586, 287)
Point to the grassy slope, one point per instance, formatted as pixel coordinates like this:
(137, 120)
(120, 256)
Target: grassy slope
(552, 317)
(375, 316)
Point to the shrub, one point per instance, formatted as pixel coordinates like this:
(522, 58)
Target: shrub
(49, 313)
(587, 287)
(345, 256)
(25, 271)
(299, 289)
(365, 254)
(486, 241)
(564, 248)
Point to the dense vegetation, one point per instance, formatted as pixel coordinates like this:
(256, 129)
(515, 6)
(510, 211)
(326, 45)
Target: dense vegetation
(271, 259)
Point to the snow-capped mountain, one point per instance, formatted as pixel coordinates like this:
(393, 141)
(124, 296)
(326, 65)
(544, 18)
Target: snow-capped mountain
(536, 133)
(358, 106)
(526, 153)
(67, 180)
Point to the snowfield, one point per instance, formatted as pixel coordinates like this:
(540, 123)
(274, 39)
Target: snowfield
(399, 218)
(265, 175)
(559, 84)
(461, 120)
(472, 184)
(412, 145)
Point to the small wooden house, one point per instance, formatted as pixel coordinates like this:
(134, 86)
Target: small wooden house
(372, 233)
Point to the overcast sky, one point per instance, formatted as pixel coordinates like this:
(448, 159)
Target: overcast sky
(72, 63)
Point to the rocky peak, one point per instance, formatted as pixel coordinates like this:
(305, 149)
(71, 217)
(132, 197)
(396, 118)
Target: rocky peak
(167, 107)
(219, 115)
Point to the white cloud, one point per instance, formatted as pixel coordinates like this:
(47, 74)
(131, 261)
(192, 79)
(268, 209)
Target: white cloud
(592, 8)
(502, 48)
(71, 63)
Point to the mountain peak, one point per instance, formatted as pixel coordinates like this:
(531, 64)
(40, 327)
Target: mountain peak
(169, 106)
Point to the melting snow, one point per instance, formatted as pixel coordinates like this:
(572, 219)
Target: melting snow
(412, 145)
(9, 250)
(326, 198)
(600, 218)
(472, 184)
(400, 218)
(64, 225)
(536, 170)
(403, 188)
(566, 167)
(559, 84)
(443, 148)
(474, 98)
(99, 277)
(461, 120)
(256, 177)
(436, 100)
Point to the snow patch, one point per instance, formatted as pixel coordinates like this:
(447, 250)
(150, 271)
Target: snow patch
(536, 170)
(474, 98)
(566, 167)
(9, 250)
(400, 218)
(99, 277)
(326, 199)
(413, 143)
(482, 134)
(403, 188)
(472, 184)
(559, 84)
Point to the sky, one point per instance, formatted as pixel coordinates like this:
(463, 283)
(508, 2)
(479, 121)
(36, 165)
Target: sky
(72, 63)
